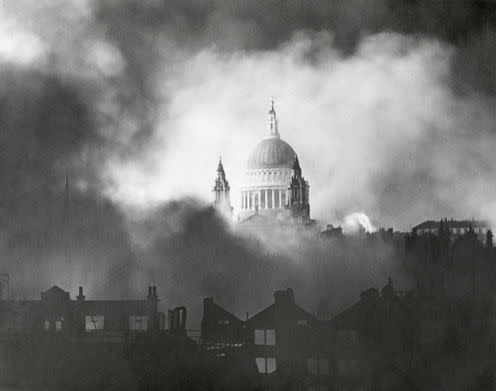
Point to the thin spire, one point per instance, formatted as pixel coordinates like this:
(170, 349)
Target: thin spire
(67, 199)
(273, 128)
(220, 167)
(296, 165)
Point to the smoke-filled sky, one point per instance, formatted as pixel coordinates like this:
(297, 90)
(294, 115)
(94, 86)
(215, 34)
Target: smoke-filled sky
(389, 105)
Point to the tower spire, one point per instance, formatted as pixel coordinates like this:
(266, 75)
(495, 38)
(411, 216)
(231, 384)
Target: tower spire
(221, 190)
(273, 128)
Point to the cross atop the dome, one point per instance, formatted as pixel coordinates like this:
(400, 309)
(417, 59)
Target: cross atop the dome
(272, 130)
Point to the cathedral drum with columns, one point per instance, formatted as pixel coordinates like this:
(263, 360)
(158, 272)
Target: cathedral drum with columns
(273, 184)
(274, 189)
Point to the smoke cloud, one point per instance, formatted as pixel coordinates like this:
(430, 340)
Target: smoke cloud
(389, 106)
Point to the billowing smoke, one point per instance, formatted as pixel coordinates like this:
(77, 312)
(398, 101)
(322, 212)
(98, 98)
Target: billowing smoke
(389, 106)
(355, 222)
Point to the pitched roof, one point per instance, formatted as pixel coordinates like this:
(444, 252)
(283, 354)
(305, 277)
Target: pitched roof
(55, 292)
(433, 224)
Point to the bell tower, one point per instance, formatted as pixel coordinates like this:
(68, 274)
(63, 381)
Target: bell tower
(298, 193)
(221, 190)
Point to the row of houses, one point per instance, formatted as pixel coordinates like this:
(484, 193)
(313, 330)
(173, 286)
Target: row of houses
(387, 340)
(60, 342)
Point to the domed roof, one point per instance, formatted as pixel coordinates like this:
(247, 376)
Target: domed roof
(271, 153)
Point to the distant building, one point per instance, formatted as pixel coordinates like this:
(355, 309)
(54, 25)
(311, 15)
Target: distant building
(332, 232)
(274, 187)
(454, 227)
(221, 190)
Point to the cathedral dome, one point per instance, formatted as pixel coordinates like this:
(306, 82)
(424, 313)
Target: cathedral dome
(272, 153)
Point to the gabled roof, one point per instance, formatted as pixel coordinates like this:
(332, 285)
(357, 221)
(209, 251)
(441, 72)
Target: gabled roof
(222, 312)
(55, 293)
(271, 312)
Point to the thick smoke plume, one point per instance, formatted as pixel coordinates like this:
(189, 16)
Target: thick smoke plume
(388, 104)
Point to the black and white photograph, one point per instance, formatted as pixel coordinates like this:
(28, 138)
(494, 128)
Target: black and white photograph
(247, 195)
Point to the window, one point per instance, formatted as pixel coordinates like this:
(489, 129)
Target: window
(138, 323)
(259, 337)
(59, 323)
(318, 366)
(265, 337)
(266, 365)
(46, 325)
(94, 322)
(224, 322)
(302, 322)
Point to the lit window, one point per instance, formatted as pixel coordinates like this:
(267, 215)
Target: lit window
(94, 323)
(59, 323)
(270, 337)
(271, 365)
(302, 322)
(46, 325)
(259, 337)
(223, 321)
(266, 365)
(138, 323)
(265, 337)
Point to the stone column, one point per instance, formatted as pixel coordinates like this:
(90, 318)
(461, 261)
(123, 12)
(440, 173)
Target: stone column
(266, 203)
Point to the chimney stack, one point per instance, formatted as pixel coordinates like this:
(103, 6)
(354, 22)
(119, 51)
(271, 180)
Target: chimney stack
(80, 297)
(284, 297)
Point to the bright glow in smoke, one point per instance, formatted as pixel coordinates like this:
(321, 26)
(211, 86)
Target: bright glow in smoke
(354, 221)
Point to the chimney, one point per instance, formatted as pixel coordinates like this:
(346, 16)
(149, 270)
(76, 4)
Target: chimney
(80, 297)
(285, 297)
(207, 302)
(154, 292)
(149, 292)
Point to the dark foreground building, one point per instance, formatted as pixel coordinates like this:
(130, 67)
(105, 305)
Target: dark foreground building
(61, 343)
(281, 347)
(388, 340)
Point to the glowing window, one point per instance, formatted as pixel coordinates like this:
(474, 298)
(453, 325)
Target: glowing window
(266, 365)
(59, 323)
(265, 337)
(94, 322)
(138, 323)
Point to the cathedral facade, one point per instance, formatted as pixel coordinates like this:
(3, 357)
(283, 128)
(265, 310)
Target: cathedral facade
(273, 187)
